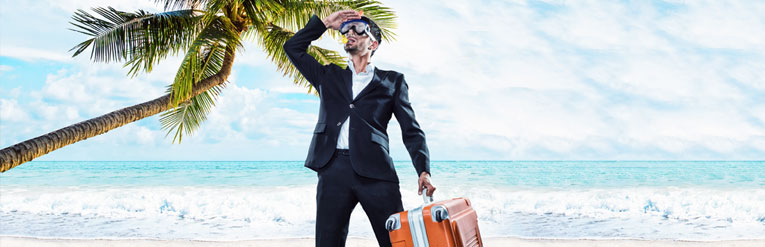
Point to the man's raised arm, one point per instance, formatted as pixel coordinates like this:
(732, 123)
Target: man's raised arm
(297, 51)
(297, 46)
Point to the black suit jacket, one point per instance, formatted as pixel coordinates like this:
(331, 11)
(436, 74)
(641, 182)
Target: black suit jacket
(369, 112)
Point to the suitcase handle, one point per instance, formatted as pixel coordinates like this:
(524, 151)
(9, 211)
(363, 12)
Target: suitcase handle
(425, 198)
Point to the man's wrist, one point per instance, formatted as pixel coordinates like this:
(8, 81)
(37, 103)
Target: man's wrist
(326, 23)
(424, 173)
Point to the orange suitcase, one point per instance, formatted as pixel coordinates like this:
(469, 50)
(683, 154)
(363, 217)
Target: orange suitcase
(449, 223)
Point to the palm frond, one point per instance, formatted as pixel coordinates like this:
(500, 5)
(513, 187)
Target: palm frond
(204, 57)
(326, 56)
(140, 38)
(205, 30)
(272, 38)
(262, 11)
(186, 118)
(180, 4)
(215, 8)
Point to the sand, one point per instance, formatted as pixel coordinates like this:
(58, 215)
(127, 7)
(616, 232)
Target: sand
(355, 242)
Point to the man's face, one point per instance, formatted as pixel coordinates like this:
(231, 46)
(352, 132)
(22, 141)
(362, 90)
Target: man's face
(358, 44)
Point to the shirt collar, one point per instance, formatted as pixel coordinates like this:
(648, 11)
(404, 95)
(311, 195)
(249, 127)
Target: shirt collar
(370, 67)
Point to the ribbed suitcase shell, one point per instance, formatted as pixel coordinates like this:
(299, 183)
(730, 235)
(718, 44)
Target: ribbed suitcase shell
(458, 229)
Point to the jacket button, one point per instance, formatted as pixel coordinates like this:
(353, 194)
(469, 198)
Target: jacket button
(339, 123)
(351, 106)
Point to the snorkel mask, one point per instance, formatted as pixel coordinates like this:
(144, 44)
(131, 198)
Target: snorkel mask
(360, 27)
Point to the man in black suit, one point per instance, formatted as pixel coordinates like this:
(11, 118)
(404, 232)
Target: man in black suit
(349, 149)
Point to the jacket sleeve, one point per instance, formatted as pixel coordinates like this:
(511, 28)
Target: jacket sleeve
(296, 49)
(413, 136)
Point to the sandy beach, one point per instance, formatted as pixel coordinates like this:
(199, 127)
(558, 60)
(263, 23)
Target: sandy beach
(356, 242)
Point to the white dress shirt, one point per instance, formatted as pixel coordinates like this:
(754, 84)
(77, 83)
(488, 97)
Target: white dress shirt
(360, 81)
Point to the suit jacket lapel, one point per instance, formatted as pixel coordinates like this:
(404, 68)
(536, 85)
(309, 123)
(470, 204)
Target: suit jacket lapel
(348, 83)
(376, 80)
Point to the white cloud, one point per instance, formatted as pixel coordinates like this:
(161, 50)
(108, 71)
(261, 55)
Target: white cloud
(717, 129)
(97, 89)
(290, 89)
(686, 78)
(10, 111)
(131, 134)
(4, 68)
(125, 5)
(716, 24)
(251, 54)
(87, 85)
(546, 86)
(749, 72)
(255, 115)
(32, 54)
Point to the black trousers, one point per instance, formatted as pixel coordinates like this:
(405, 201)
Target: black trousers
(338, 191)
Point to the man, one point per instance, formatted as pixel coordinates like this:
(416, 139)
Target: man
(349, 149)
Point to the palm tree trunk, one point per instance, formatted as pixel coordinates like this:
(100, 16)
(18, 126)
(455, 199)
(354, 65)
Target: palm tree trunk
(15, 155)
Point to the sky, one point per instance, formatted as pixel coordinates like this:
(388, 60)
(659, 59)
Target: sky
(488, 80)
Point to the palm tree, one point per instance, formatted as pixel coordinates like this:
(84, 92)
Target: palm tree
(208, 34)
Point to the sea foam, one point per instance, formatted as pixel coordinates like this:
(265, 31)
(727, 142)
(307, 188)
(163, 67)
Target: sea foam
(252, 212)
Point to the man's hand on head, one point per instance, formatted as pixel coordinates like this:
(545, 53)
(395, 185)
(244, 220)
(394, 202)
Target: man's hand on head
(424, 182)
(334, 20)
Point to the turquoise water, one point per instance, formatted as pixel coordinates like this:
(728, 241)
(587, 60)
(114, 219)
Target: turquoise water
(534, 174)
(227, 200)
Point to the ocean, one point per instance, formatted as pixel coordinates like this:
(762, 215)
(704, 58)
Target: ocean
(234, 200)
